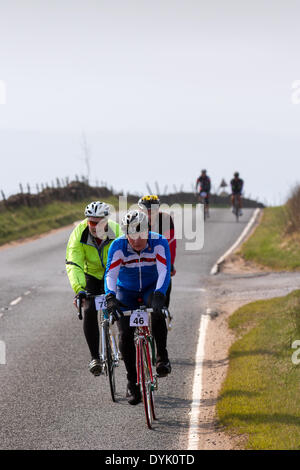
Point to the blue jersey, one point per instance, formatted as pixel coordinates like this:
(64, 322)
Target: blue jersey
(135, 271)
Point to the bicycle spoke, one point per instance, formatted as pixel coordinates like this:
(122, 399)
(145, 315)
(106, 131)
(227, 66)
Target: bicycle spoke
(146, 384)
(110, 363)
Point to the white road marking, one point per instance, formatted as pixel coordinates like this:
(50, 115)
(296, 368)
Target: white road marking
(193, 438)
(27, 292)
(245, 232)
(16, 301)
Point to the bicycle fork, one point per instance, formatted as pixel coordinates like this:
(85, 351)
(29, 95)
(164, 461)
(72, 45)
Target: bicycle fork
(139, 357)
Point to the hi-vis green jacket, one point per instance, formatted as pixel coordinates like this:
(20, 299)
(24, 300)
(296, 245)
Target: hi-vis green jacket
(84, 256)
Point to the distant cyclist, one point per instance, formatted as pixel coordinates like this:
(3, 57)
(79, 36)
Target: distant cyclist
(138, 267)
(86, 258)
(160, 222)
(237, 185)
(203, 186)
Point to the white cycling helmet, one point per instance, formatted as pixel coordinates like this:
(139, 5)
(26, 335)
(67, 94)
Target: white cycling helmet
(97, 209)
(134, 222)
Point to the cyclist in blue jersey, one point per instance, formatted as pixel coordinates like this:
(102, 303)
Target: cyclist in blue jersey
(138, 267)
(237, 185)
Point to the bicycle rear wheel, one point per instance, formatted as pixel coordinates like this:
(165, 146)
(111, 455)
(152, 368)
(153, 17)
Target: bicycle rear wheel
(146, 385)
(110, 363)
(237, 211)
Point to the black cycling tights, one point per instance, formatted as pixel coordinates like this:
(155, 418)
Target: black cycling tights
(91, 328)
(90, 319)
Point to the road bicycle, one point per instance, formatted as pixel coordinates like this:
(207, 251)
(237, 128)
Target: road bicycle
(236, 207)
(140, 319)
(109, 351)
(202, 197)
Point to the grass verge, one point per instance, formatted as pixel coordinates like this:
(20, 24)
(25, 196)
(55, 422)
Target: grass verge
(270, 245)
(25, 222)
(260, 395)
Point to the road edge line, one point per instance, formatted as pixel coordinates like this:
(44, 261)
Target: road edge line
(193, 437)
(216, 267)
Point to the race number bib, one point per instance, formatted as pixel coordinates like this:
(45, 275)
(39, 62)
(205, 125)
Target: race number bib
(139, 318)
(100, 302)
(203, 194)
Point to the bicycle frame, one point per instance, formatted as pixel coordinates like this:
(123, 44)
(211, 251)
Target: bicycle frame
(143, 337)
(109, 351)
(115, 351)
(146, 379)
(236, 206)
(202, 200)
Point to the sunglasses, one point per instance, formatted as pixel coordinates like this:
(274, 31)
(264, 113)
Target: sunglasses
(94, 224)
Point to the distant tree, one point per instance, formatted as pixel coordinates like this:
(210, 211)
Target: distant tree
(86, 156)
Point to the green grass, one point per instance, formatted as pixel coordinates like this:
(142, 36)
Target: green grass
(270, 245)
(260, 396)
(25, 222)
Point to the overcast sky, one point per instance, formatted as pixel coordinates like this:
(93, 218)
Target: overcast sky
(160, 88)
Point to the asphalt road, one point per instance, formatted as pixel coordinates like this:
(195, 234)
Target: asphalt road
(48, 398)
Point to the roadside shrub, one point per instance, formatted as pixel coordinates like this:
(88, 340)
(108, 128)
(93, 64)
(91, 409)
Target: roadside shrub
(293, 210)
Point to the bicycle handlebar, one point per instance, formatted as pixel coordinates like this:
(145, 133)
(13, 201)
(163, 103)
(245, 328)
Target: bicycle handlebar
(165, 311)
(79, 306)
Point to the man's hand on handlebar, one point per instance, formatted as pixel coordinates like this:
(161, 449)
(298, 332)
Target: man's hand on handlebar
(80, 296)
(158, 302)
(79, 299)
(113, 307)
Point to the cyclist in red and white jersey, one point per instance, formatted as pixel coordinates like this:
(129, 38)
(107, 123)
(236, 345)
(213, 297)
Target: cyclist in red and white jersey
(162, 223)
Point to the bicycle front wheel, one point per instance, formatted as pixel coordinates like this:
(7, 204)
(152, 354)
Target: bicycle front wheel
(146, 384)
(110, 363)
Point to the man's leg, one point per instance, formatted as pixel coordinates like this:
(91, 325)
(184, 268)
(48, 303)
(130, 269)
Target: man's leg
(168, 294)
(90, 323)
(160, 332)
(127, 346)
(91, 328)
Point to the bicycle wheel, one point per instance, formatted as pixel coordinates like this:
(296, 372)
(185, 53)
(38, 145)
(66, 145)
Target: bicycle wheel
(145, 384)
(110, 363)
(237, 210)
(148, 368)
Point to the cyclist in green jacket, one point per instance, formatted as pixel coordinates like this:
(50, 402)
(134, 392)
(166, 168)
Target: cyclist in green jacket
(85, 263)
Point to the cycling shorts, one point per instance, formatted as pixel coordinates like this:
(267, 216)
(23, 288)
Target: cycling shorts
(130, 298)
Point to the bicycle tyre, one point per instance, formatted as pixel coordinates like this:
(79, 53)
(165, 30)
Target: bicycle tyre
(110, 363)
(237, 212)
(148, 378)
(146, 390)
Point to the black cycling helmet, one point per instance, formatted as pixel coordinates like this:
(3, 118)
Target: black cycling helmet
(203, 171)
(147, 202)
(236, 174)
